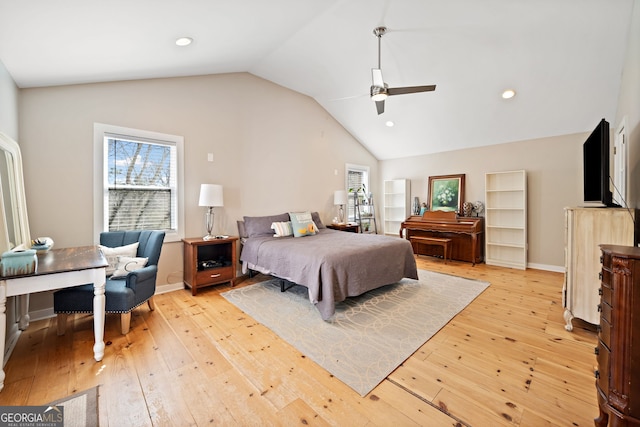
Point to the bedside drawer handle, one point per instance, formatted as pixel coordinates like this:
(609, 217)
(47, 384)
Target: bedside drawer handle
(596, 374)
(596, 351)
(600, 275)
(600, 291)
(213, 276)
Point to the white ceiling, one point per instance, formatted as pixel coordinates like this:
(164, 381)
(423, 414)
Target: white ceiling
(564, 58)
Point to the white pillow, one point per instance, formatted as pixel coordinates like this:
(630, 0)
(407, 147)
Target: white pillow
(112, 254)
(127, 264)
(282, 229)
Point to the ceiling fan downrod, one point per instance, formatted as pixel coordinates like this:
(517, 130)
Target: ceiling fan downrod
(379, 32)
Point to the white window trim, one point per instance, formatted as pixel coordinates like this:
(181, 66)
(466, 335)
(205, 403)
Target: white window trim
(359, 168)
(99, 185)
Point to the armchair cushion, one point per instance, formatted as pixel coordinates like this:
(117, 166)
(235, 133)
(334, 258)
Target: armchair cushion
(112, 255)
(127, 264)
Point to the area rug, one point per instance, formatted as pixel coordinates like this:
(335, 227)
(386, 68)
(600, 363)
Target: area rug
(370, 335)
(80, 409)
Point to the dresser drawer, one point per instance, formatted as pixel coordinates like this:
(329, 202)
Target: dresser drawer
(214, 275)
(605, 293)
(603, 355)
(605, 311)
(605, 332)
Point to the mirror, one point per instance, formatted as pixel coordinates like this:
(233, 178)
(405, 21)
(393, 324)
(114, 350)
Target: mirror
(14, 224)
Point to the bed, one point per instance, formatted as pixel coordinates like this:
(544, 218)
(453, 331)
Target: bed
(333, 265)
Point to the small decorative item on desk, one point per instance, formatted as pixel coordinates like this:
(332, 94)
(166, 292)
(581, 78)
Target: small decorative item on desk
(42, 244)
(18, 262)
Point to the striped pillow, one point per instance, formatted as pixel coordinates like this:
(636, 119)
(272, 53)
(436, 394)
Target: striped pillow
(282, 229)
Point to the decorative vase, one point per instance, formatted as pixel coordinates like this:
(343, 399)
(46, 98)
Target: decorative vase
(416, 206)
(467, 208)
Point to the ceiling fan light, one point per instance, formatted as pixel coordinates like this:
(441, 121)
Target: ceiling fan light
(378, 93)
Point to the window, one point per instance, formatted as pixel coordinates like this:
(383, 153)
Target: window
(138, 181)
(357, 176)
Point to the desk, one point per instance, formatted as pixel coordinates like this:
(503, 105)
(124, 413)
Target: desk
(57, 268)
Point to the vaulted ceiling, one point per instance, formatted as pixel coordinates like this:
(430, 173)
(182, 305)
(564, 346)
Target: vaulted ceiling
(563, 58)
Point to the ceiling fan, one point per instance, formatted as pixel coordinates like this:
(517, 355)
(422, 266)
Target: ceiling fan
(379, 89)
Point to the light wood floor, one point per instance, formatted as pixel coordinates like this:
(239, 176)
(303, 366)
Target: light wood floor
(505, 360)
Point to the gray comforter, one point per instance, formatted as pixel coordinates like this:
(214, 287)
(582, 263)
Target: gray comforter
(332, 264)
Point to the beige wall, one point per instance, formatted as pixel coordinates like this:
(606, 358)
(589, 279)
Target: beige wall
(8, 104)
(274, 150)
(554, 178)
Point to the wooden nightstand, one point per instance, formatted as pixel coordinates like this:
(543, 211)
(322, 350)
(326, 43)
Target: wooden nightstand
(209, 262)
(352, 228)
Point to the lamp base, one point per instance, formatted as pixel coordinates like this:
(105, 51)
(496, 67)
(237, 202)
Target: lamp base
(208, 237)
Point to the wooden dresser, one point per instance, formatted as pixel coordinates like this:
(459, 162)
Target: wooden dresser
(618, 351)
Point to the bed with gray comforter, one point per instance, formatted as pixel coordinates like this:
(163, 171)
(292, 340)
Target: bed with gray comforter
(333, 265)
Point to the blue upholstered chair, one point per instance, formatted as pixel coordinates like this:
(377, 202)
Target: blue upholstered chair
(122, 294)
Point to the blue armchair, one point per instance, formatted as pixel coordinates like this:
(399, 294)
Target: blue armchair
(122, 294)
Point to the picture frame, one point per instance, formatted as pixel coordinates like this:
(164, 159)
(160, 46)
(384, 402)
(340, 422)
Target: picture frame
(446, 193)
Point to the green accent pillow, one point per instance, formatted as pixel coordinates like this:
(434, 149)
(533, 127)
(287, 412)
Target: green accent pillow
(302, 224)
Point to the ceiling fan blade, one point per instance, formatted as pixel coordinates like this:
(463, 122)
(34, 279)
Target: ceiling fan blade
(376, 74)
(410, 89)
(380, 107)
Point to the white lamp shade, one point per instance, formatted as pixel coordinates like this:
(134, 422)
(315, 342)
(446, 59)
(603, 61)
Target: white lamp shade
(210, 195)
(340, 197)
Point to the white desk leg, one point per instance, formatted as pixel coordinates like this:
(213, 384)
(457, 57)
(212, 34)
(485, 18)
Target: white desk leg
(23, 312)
(3, 328)
(98, 314)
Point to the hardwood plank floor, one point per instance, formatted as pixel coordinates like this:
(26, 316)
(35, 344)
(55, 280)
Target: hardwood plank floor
(506, 360)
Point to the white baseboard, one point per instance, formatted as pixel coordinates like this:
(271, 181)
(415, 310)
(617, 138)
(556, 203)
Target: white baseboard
(547, 267)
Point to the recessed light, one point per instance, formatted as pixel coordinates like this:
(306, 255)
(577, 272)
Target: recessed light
(390, 124)
(509, 93)
(184, 41)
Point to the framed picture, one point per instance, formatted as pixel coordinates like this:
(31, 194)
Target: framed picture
(446, 193)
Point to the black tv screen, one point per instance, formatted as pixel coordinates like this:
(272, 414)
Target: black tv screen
(596, 167)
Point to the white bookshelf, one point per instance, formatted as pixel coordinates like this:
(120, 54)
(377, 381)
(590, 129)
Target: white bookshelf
(396, 204)
(506, 219)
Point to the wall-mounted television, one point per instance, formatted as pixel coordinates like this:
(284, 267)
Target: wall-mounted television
(596, 167)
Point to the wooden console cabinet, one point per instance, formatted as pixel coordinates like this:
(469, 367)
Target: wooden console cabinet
(209, 262)
(585, 230)
(618, 351)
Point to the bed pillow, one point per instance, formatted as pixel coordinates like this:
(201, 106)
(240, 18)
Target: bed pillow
(127, 264)
(302, 224)
(315, 216)
(112, 254)
(261, 225)
(242, 232)
(282, 229)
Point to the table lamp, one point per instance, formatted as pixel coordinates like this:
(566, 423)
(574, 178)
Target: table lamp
(340, 199)
(210, 196)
